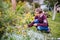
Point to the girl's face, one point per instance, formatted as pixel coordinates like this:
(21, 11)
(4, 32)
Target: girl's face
(37, 14)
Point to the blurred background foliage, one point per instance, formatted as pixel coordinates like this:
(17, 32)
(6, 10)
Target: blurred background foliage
(16, 21)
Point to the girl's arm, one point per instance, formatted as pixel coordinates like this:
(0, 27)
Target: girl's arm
(32, 23)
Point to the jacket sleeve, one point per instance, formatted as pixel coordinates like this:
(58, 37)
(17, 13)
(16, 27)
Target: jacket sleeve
(45, 22)
(31, 24)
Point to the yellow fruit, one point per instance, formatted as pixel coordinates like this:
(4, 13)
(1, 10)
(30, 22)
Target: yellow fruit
(25, 26)
(18, 33)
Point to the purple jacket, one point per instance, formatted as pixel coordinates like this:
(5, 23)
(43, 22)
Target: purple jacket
(42, 21)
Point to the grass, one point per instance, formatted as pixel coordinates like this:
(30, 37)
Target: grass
(54, 25)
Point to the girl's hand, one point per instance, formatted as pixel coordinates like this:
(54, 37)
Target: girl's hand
(35, 24)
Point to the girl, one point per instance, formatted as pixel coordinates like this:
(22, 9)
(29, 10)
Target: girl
(40, 21)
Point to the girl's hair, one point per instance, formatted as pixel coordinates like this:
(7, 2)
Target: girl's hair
(38, 10)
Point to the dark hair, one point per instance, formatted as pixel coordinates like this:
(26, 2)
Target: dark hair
(40, 12)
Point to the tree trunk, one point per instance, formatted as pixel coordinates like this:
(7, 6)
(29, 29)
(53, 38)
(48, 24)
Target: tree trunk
(13, 4)
(54, 12)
